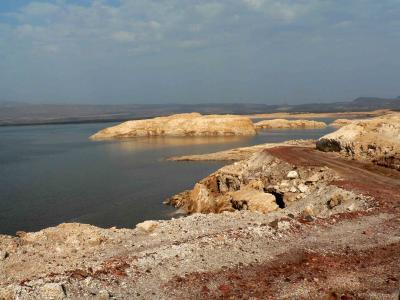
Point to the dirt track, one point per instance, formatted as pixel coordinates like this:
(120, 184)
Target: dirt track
(379, 182)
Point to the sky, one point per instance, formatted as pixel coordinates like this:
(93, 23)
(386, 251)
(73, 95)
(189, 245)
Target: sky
(198, 51)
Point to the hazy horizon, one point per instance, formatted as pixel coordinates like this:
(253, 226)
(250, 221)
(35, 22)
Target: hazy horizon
(71, 103)
(192, 52)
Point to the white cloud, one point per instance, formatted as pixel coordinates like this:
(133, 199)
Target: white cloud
(40, 9)
(283, 9)
(162, 24)
(50, 48)
(29, 32)
(209, 10)
(255, 4)
(343, 24)
(189, 44)
(124, 36)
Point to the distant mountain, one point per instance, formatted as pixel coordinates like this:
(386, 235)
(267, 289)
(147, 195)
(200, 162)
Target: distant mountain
(358, 104)
(14, 113)
(372, 101)
(11, 103)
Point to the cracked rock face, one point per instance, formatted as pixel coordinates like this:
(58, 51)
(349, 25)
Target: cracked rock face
(191, 124)
(376, 140)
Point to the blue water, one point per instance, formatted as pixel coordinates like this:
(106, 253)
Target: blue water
(52, 174)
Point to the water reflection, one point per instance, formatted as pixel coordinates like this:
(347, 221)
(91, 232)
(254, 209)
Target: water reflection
(145, 143)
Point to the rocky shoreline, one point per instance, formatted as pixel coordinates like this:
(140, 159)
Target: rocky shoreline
(284, 221)
(302, 250)
(264, 183)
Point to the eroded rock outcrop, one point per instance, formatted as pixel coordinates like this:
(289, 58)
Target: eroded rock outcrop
(289, 124)
(191, 124)
(261, 183)
(376, 140)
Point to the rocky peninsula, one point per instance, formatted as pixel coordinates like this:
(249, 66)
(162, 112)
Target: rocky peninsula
(289, 124)
(240, 153)
(191, 124)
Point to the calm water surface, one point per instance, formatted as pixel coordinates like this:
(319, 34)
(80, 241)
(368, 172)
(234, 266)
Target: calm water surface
(51, 174)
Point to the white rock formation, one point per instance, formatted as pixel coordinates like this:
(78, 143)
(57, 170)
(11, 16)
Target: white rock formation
(191, 124)
(289, 124)
(376, 140)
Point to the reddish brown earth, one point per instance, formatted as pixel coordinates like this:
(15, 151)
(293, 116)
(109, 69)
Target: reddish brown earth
(378, 267)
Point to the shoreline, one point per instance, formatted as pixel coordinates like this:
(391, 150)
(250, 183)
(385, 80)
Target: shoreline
(220, 255)
(284, 221)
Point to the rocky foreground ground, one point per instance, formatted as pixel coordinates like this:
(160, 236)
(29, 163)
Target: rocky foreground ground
(293, 223)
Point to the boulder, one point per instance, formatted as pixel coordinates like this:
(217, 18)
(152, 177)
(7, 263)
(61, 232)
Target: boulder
(308, 212)
(147, 226)
(292, 175)
(255, 200)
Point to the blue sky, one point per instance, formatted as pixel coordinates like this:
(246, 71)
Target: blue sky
(187, 51)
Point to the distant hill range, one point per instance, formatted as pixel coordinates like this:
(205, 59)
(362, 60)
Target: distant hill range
(12, 113)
